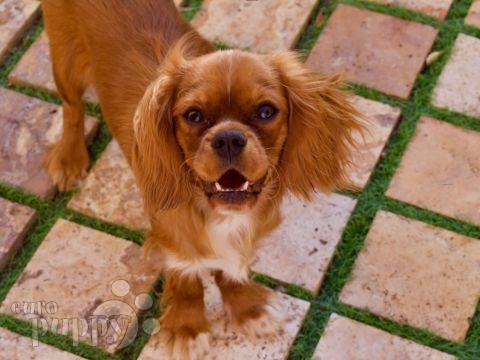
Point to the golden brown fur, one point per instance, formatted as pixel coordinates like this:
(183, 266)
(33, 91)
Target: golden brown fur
(155, 77)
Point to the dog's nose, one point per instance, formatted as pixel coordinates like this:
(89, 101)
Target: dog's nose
(229, 143)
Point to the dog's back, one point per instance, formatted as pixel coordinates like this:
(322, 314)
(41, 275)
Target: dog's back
(114, 45)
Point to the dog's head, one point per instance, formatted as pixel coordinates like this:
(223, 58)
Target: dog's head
(233, 128)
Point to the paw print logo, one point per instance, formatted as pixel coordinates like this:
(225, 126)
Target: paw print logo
(118, 321)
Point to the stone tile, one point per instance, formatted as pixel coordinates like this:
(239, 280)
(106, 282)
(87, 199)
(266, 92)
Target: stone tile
(260, 26)
(435, 8)
(380, 120)
(229, 345)
(29, 127)
(406, 265)
(87, 274)
(346, 339)
(35, 69)
(457, 87)
(440, 171)
(15, 221)
(110, 192)
(18, 347)
(301, 249)
(376, 50)
(15, 18)
(473, 16)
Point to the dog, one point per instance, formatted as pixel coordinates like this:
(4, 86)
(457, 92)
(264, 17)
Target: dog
(215, 140)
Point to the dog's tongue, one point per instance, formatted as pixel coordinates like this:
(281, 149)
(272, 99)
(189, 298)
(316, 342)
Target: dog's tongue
(232, 180)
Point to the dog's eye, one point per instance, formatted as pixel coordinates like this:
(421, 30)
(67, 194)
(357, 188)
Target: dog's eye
(193, 116)
(266, 112)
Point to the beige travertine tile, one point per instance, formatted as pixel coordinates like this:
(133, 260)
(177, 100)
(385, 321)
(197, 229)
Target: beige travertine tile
(86, 273)
(29, 127)
(440, 171)
(346, 339)
(261, 26)
(227, 344)
(417, 274)
(35, 69)
(473, 16)
(15, 221)
(110, 192)
(457, 87)
(18, 347)
(435, 8)
(380, 120)
(300, 250)
(15, 18)
(376, 50)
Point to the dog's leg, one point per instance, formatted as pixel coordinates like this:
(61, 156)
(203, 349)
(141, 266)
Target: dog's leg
(67, 161)
(252, 309)
(184, 325)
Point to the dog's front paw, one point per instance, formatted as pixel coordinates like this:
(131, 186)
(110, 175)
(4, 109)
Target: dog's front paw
(265, 321)
(66, 167)
(262, 319)
(186, 344)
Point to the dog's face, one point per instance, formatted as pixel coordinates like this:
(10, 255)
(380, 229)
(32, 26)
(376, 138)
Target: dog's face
(231, 122)
(235, 128)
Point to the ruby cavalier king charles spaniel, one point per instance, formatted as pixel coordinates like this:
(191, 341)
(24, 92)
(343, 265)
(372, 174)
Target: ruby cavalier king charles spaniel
(215, 140)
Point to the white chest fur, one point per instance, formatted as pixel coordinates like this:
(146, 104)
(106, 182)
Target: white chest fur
(230, 236)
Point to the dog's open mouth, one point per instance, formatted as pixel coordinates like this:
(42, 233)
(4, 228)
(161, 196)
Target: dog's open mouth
(234, 188)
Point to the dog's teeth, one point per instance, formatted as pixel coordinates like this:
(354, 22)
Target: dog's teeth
(244, 186)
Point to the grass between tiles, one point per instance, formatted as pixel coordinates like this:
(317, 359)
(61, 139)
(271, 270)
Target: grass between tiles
(191, 8)
(369, 202)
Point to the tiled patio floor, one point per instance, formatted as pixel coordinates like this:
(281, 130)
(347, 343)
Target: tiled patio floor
(389, 272)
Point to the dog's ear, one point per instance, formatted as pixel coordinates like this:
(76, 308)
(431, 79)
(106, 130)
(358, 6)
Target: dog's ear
(322, 123)
(157, 158)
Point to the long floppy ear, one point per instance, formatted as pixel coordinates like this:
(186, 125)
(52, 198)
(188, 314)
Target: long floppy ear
(321, 126)
(157, 158)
